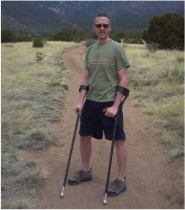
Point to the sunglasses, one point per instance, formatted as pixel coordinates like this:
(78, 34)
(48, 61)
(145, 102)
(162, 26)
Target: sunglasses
(100, 25)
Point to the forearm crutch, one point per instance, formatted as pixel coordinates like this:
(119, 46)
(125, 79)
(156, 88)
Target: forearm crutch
(70, 153)
(126, 93)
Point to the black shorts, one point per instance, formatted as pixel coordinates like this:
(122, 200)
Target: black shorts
(94, 122)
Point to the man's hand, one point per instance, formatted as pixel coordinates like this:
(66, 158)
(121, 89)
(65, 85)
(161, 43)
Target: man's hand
(111, 111)
(80, 109)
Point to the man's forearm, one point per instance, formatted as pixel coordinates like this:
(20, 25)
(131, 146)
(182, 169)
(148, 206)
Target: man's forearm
(118, 99)
(82, 96)
(85, 81)
(119, 96)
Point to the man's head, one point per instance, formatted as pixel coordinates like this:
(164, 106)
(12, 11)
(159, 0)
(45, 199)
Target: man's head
(102, 15)
(102, 27)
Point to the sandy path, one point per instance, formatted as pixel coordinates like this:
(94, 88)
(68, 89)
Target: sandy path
(153, 180)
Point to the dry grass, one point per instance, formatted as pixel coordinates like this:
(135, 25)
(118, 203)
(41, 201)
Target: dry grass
(157, 85)
(32, 95)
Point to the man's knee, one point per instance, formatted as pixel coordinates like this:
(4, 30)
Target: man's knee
(119, 143)
(85, 138)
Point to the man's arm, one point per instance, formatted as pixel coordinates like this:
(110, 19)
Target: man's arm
(123, 76)
(85, 81)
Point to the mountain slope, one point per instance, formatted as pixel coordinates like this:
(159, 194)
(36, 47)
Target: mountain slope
(37, 18)
(49, 17)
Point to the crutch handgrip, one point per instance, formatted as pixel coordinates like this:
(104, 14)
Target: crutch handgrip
(125, 92)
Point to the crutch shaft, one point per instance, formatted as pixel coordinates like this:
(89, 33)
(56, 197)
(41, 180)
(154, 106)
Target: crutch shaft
(111, 154)
(112, 149)
(71, 149)
(70, 153)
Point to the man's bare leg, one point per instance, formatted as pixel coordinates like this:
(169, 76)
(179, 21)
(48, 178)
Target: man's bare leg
(85, 151)
(122, 156)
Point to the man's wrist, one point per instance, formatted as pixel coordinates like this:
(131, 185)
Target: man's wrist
(115, 105)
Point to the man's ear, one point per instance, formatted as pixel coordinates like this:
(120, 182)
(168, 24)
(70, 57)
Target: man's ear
(110, 28)
(94, 28)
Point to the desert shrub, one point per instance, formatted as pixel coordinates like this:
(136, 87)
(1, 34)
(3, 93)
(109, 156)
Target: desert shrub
(63, 36)
(89, 42)
(115, 38)
(94, 36)
(37, 43)
(76, 39)
(180, 59)
(172, 35)
(156, 25)
(167, 31)
(69, 35)
(77, 36)
(121, 34)
(39, 56)
(130, 37)
(152, 47)
(7, 36)
(133, 41)
(24, 38)
(133, 38)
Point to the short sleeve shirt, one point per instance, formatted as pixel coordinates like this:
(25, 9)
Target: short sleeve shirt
(103, 61)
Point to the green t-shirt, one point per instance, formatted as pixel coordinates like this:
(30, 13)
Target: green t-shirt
(103, 61)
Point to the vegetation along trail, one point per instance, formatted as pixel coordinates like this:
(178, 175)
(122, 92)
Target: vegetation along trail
(153, 179)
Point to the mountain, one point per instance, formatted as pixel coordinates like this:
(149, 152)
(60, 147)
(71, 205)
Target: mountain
(49, 17)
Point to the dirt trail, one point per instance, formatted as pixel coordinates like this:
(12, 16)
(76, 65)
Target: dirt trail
(153, 180)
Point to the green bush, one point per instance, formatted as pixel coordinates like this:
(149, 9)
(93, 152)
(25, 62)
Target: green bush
(69, 35)
(24, 38)
(63, 36)
(167, 31)
(94, 36)
(152, 47)
(37, 43)
(172, 35)
(121, 34)
(7, 36)
(130, 37)
(180, 59)
(153, 31)
(115, 38)
(89, 42)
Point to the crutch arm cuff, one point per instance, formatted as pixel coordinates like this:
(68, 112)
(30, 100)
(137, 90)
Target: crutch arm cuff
(123, 90)
(83, 87)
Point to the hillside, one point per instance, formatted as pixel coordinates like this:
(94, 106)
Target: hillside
(49, 17)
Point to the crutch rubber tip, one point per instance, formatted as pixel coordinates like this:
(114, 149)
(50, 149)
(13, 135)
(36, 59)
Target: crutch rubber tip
(62, 193)
(105, 199)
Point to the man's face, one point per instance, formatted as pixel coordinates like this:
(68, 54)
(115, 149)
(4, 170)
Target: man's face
(102, 33)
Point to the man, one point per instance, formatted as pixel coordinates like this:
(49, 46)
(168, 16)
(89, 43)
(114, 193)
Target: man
(106, 67)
